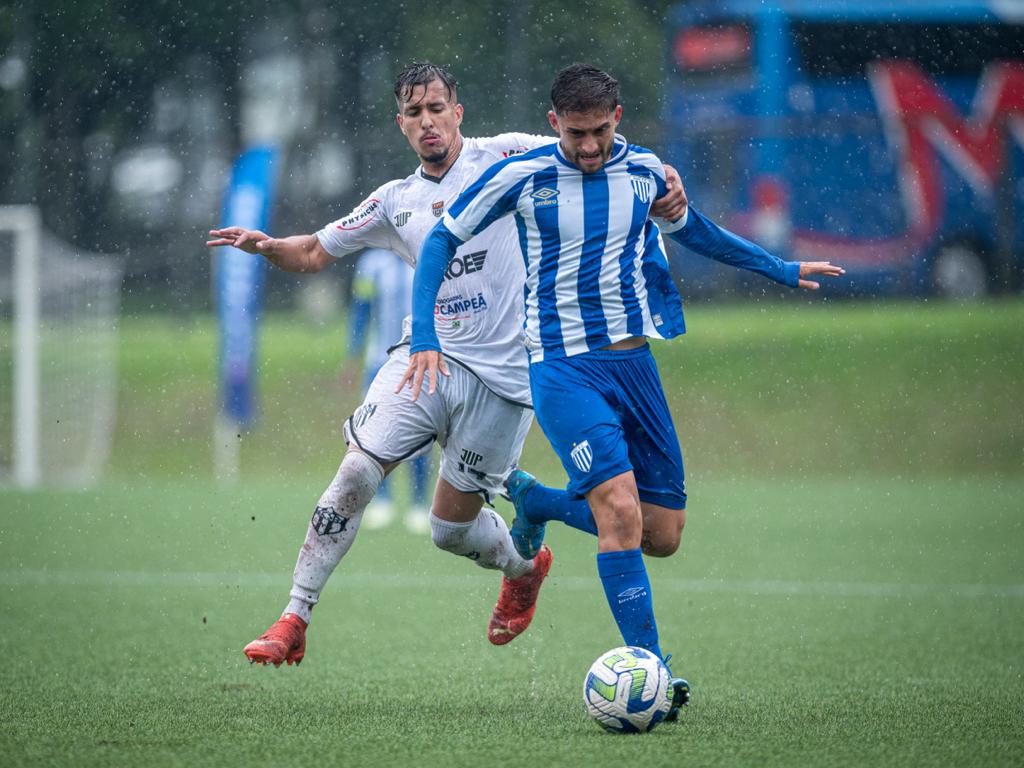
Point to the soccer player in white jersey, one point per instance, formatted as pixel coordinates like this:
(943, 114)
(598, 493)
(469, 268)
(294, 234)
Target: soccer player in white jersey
(482, 414)
(597, 287)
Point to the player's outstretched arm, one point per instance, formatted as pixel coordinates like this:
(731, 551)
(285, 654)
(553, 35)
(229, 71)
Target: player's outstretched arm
(823, 268)
(704, 237)
(298, 253)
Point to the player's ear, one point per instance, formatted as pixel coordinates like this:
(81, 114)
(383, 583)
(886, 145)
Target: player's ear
(553, 119)
(399, 120)
(458, 114)
(618, 114)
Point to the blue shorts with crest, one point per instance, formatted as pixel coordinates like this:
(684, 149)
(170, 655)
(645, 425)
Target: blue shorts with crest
(604, 413)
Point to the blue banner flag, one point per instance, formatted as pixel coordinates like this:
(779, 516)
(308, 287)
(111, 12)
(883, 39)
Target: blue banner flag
(239, 282)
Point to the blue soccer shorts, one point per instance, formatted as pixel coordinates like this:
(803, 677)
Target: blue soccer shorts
(604, 413)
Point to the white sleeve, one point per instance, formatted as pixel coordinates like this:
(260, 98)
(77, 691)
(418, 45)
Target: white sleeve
(367, 226)
(509, 144)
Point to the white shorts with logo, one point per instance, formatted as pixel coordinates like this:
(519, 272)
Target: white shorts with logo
(481, 434)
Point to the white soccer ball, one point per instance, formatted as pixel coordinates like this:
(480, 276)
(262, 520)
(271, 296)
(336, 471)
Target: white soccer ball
(627, 690)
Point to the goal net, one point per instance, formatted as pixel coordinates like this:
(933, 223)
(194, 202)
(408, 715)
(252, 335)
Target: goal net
(58, 355)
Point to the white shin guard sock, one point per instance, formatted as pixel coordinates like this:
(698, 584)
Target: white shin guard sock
(486, 541)
(332, 529)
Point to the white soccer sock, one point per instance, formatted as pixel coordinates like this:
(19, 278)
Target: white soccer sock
(332, 529)
(486, 541)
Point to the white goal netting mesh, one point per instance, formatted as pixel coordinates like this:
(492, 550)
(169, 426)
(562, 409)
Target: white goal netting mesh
(75, 338)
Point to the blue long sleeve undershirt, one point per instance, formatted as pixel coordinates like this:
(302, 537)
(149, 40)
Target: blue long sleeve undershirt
(438, 249)
(705, 238)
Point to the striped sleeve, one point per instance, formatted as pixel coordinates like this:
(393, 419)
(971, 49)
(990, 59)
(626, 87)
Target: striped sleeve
(494, 194)
(705, 238)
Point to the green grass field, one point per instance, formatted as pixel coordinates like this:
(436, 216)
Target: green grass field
(850, 590)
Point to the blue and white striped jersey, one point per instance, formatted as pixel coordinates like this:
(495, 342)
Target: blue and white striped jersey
(595, 265)
(596, 270)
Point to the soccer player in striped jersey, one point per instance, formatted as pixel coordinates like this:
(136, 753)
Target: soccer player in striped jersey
(597, 287)
(483, 411)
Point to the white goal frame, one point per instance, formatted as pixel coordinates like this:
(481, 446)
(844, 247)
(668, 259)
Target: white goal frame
(25, 223)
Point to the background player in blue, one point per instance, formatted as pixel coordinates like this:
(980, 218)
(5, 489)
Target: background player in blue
(381, 297)
(597, 287)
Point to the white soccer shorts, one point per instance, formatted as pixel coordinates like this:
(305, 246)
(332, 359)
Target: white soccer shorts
(481, 435)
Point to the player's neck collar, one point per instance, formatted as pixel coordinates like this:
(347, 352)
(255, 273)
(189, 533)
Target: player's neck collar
(439, 179)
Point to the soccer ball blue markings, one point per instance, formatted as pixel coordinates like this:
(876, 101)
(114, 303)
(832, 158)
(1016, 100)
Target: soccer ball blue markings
(627, 690)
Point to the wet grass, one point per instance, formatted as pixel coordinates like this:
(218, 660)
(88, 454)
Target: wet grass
(859, 621)
(849, 592)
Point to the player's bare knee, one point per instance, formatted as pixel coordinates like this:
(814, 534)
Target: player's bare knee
(663, 540)
(664, 544)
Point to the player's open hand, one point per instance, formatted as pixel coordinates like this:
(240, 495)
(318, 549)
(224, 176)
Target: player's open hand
(423, 365)
(249, 240)
(672, 205)
(824, 268)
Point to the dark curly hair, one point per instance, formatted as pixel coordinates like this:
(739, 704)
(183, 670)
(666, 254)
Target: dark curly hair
(584, 88)
(422, 73)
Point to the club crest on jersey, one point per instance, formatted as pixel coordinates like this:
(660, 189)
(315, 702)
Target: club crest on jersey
(641, 188)
(401, 219)
(583, 456)
(437, 208)
(362, 215)
(545, 196)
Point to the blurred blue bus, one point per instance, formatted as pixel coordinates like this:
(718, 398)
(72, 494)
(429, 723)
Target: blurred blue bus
(885, 136)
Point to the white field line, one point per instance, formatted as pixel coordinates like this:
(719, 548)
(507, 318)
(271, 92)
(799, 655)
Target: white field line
(94, 579)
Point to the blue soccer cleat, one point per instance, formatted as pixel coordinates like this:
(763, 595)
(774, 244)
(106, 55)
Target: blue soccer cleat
(680, 693)
(680, 698)
(527, 537)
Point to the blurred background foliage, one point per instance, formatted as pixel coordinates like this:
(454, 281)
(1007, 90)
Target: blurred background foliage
(126, 117)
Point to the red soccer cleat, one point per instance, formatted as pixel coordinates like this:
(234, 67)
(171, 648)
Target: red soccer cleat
(518, 601)
(284, 641)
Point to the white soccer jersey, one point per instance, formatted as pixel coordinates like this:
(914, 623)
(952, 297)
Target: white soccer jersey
(596, 269)
(477, 318)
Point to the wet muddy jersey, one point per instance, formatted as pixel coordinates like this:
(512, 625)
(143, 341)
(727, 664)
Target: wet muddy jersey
(478, 320)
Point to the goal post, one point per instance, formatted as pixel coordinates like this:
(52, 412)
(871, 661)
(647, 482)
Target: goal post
(23, 223)
(58, 376)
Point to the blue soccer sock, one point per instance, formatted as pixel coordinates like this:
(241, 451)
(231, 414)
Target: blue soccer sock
(628, 591)
(543, 504)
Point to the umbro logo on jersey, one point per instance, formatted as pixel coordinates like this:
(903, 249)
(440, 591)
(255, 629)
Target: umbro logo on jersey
(402, 218)
(437, 208)
(545, 196)
(583, 456)
(465, 264)
(641, 188)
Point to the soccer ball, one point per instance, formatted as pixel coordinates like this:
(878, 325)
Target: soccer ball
(627, 690)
